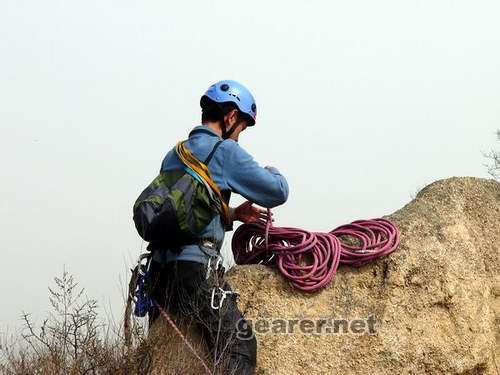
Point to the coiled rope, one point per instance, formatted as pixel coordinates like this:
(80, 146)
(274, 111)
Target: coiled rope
(309, 260)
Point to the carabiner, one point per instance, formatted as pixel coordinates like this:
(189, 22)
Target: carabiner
(224, 293)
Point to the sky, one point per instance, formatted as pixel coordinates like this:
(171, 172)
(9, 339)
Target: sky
(360, 104)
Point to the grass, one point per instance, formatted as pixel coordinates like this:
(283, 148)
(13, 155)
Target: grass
(72, 339)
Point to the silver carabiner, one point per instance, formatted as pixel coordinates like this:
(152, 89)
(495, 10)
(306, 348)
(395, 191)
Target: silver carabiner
(218, 263)
(139, 262)
(222, 298)
(209, 266)
(224, 293)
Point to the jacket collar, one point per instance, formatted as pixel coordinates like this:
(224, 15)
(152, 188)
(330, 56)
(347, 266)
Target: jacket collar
(203, 129)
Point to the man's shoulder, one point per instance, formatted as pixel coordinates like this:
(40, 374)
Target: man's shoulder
(230, 144)
(233, 148)
(234, 154)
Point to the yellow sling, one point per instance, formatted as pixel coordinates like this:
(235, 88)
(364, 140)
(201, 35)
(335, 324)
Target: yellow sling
(188, 159)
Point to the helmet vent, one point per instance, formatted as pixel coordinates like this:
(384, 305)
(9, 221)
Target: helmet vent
(224, 87)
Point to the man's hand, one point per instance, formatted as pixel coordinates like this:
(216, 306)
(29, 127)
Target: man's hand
(247, 213)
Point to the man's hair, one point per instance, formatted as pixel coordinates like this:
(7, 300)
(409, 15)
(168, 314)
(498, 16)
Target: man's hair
(213, 112)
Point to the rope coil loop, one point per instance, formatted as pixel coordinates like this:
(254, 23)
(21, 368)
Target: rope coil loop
(309, 260)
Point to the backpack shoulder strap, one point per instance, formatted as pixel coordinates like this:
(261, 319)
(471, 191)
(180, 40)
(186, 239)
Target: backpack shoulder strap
(209, 157)
(187, 158)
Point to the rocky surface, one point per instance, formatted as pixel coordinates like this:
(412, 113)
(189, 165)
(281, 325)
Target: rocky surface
(435, 302)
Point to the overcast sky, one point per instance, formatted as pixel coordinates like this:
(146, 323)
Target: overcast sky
(360, 103)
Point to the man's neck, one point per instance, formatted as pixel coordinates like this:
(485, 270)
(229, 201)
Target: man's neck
(215, 127)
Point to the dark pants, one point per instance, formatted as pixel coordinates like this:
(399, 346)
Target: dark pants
(182, 289)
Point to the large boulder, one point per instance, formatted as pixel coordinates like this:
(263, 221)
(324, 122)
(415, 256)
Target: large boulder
(434, 303)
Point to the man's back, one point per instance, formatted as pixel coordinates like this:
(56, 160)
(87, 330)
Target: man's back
(233, 170)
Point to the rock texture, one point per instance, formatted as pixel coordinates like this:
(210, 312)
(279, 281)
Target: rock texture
(435, 301)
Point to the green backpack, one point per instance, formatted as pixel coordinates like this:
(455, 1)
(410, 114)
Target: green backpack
(176, 206)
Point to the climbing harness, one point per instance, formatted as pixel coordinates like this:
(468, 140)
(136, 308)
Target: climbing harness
(139, 295)
(309, 260)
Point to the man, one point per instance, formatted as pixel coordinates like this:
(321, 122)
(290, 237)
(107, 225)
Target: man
(190, 282)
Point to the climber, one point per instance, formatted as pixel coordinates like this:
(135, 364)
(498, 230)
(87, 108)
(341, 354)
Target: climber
(189, 281)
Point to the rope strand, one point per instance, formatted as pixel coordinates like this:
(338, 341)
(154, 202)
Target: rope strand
(184, 338)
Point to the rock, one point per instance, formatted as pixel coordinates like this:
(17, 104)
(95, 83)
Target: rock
(165, 352)
(435, 302)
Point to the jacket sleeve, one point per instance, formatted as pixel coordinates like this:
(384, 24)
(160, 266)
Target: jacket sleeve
(266, 187)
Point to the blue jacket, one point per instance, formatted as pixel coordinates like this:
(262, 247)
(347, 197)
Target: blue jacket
(232, 169)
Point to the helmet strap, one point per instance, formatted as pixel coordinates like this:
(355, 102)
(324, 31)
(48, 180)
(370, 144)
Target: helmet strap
(229, 132)
(223, 129)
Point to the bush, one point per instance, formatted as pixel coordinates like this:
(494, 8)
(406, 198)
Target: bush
(494, 156)
(70, 340)
(73, 340)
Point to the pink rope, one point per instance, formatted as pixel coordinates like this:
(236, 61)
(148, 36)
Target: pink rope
(184, 338)
(309, 260)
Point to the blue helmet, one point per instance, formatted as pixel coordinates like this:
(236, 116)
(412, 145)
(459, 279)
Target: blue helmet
(232, 91)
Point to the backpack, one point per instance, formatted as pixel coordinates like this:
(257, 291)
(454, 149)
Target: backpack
(177, 205)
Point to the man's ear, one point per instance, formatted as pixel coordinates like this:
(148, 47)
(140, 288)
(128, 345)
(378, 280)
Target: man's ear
(233, 117)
